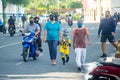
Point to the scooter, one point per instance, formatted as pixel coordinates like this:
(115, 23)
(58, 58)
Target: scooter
(11, 30)
(70, 22)
(29, 46)
(106, 71)
(2, 29)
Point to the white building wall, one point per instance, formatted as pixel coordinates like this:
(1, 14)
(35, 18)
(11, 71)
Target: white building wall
(11, 9)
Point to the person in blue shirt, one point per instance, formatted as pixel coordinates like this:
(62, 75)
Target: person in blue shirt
(52, 34)
(1, 23)
(107, 29)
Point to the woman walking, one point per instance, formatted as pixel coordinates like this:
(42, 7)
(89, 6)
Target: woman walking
(52, 35)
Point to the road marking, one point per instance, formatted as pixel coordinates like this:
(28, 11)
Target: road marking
(19, 63)
(10, 44)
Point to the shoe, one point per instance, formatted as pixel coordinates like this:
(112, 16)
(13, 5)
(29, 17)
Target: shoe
(104, 55)
(67, 59)
(22, 54)
(41, 50)
(63, 59)
(79, 69)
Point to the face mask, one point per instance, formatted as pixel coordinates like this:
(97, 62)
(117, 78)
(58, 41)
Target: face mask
(36, 21)
(31, 22)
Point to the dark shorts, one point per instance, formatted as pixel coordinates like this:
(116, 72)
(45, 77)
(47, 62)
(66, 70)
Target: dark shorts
(109, 37)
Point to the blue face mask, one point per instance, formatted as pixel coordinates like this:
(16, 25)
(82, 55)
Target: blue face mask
(79, 24)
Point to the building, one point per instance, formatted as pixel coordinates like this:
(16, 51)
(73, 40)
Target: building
(11, 9)
(93, 9)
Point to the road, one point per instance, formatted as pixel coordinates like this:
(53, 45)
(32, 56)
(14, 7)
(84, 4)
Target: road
(12, 66)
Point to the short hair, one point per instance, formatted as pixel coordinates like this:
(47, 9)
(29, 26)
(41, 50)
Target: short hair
(108, 12)
(31, 17)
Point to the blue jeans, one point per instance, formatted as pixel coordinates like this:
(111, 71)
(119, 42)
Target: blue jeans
(52, 44)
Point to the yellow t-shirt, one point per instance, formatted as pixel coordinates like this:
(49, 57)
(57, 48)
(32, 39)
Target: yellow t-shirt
(64, 45)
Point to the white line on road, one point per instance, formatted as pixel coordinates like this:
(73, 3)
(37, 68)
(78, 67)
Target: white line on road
(10, 44)
(19, 63)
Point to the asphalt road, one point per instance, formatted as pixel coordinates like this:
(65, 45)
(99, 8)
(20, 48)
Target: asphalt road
(12, 66)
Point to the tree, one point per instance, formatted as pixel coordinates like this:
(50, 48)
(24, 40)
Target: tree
(4, 5)
(76, 5)
(19, 2)
(16, 2)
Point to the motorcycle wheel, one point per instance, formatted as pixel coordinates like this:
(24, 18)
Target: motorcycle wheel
(4, 31)
(25, 54)
(11, 34)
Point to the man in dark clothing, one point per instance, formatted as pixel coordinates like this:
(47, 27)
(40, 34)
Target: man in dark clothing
(107, 27)
(39, 41)
(11, 21)
(23, 20)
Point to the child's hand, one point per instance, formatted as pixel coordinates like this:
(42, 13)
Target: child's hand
(69, 45)
(89, 43)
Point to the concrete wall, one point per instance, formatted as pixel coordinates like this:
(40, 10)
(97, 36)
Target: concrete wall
(97, 7)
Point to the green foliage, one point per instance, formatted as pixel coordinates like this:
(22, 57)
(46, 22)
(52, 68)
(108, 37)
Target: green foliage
(50, 5)
(75, 5)
(4, 5)
(19, 2)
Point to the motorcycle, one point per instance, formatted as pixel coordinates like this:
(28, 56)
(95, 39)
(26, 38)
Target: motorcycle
(70, 22)
(106, 71)
(11, 30)
(29, 46)
(2, 29)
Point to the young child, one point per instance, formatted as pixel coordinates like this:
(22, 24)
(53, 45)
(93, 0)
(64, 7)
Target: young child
(65, 44)
(79, 44)
(117, 55)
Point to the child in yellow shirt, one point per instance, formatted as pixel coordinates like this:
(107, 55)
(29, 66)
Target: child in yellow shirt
(65, 44)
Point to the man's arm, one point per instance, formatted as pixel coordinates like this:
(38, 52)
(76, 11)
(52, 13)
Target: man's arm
(38, 29)
(114, 24)
(99, 30)
(74, 34)
(88, 37)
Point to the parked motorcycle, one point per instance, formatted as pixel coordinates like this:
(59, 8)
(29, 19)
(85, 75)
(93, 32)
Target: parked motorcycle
(106, 71)
(29, 46)
(11, 30)
(2, 29)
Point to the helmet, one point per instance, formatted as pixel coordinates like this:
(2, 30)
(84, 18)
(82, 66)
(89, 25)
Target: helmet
(36, 19)
(52, 17)
(65, 32)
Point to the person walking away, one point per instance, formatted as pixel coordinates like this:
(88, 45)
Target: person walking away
(23, 20)
(107, 29)
(79, 44)
(39, 41)
(65, 44)
(52, 34)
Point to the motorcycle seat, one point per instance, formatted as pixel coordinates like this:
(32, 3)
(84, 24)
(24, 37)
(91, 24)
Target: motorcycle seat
(110, 64)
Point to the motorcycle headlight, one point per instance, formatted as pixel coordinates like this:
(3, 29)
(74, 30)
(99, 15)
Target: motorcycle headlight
(30, 40)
